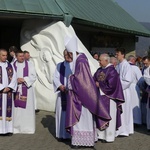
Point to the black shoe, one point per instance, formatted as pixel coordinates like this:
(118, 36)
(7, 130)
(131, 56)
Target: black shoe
(137, 125)
(75, 147)
(81, 147)
(37, 110)
(103, 141)
(9, 134)
(91, 147)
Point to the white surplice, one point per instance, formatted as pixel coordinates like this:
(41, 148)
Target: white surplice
(135, 90)
(109, 133)
(24, 119)
(60, 115)
(6, 126)
(125, 72)
(84, 132)
(147, 80)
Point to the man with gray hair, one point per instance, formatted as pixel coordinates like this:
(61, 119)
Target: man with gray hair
(108, 81)
(136, 76)
(62, 72)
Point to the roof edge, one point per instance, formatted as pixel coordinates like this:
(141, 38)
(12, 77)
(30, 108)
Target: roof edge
(85, 22)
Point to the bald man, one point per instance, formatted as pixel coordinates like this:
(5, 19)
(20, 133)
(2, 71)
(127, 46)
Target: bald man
(108, 81)
(62, 72)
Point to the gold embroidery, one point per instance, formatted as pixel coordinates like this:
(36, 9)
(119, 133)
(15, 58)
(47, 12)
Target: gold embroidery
(23, 98)
(8, 118)
(9, 94)
(9, 109)
(101, 76)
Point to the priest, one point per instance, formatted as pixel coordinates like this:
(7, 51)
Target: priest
(108, 81)
(125, 73)
(24, 112)
(146, 76)
(62, 72)
(8, 85)
(135, 89)
(82, 102)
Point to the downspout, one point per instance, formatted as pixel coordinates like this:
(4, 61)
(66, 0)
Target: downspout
(67, 18)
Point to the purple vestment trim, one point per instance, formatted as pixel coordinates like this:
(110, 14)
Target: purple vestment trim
(9, 70)
(132, 64)
(21, 100)
(63, 94)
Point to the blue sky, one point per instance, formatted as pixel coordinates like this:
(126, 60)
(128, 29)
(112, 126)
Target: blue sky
(139, 9)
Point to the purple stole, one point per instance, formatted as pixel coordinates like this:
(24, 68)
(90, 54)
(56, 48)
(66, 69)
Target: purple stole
(21, 100)
(63, 94)
(132, 64)
(9, 70)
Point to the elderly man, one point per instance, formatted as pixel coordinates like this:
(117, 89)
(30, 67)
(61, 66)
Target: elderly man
(24, 113)
(8, 85)
(61, 75)
(125, 72)
(82, 100)
(108, 81)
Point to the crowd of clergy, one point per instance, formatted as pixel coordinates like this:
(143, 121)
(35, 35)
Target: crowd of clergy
(89, 107)
(103, 106)
(17, 106)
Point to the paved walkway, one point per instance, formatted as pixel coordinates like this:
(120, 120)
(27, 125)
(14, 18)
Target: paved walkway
(44, 138)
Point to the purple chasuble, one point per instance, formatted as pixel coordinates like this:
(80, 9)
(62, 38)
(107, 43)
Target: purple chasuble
(21, 100)
(84, 93)
(110, 85)
(9, 70)
(63, 94)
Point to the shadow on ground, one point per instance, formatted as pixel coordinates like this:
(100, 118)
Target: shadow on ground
(49, 122)
(141, 129)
